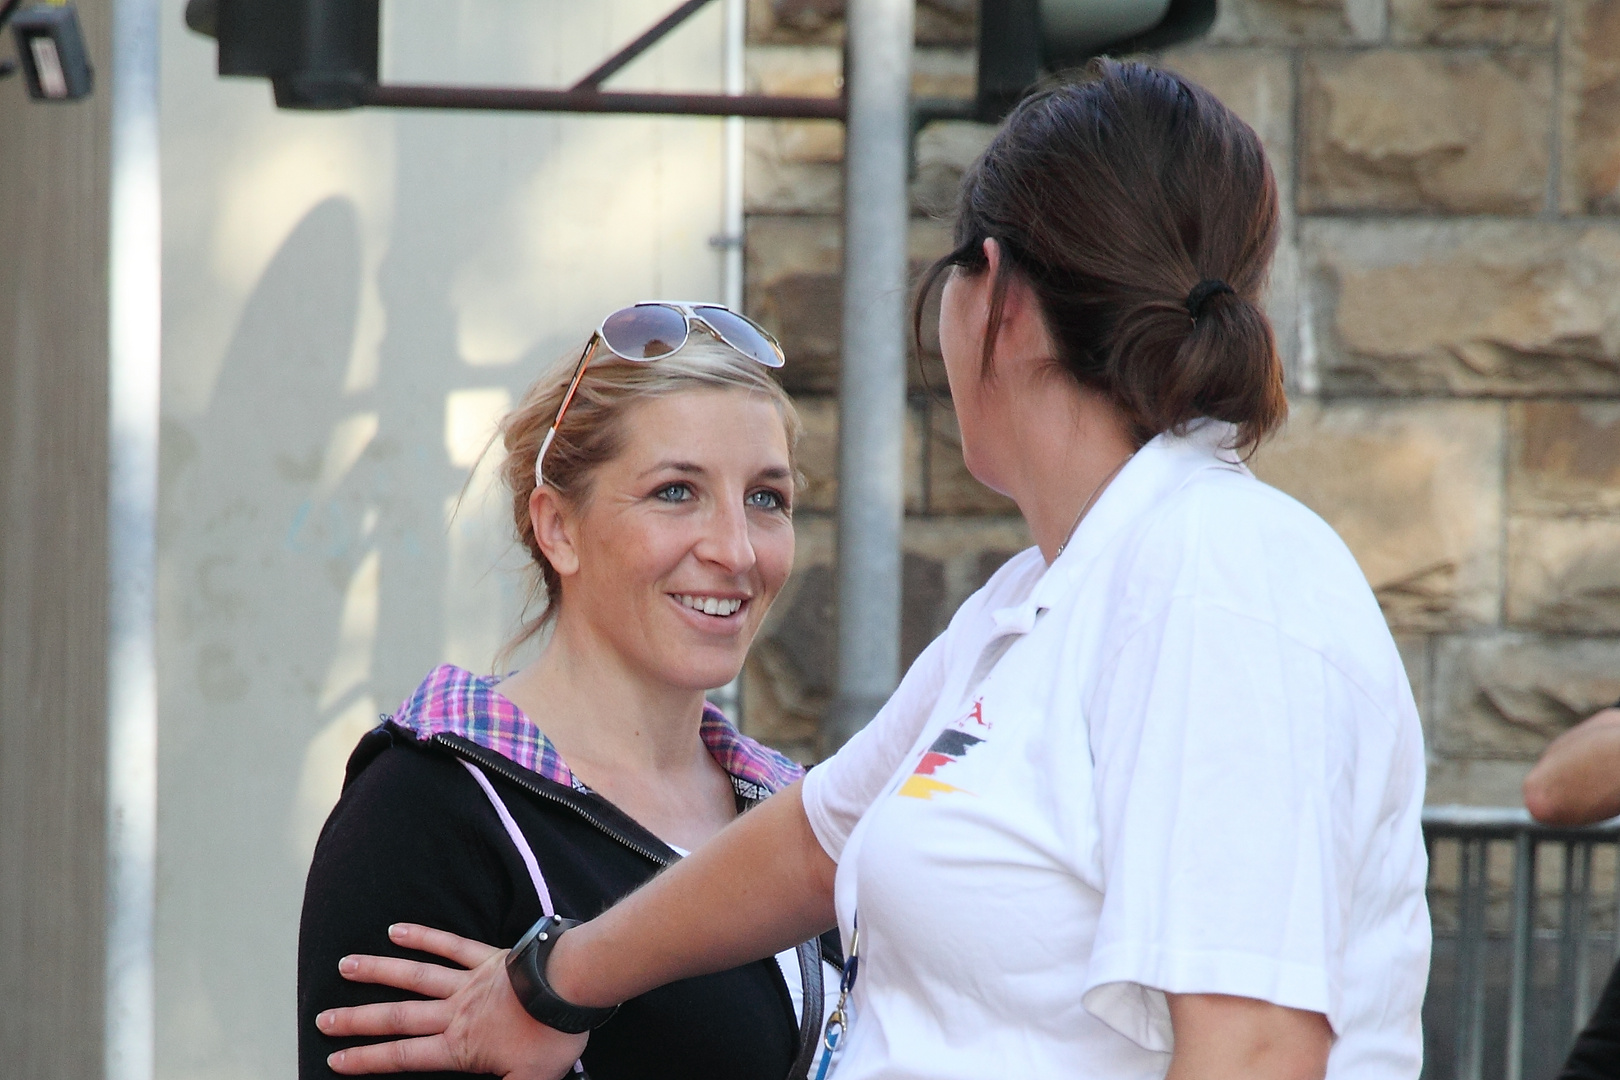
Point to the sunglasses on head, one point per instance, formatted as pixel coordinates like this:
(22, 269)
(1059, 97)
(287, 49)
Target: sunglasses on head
(656, 328)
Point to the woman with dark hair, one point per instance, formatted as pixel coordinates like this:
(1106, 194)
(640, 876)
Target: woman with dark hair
(1150, 806)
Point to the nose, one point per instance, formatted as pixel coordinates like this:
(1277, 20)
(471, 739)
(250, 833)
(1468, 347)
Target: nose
(726, 542)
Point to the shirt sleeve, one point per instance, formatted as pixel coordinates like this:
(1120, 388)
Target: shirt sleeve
(1222, 873)
(839, 790)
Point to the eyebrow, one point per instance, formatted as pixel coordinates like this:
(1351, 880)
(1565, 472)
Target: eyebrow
(775, 472)
(675, 466)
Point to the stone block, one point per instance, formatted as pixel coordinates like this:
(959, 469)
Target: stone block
(1415, 490)
(1503, 696)
(818, 456)
(1469, 782)
(795, 22)
(793, 271)
(937, 22)
(1480, 307)
(1425, 130)
(951, 488)
(1590, 111)
(795, 70)
(1565, 457)
(1416, 659)
(794, 287)
(951, 73)
(792, 669)
(796, 166)
(944, 150)
(1564, 574)
(1474, 22)
(1288, 22)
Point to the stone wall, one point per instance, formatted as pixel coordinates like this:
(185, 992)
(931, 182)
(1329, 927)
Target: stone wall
(1447, 299)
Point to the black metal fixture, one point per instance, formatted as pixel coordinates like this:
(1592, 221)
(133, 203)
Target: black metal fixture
(323, 54)
(1022, 40)
(50, 50)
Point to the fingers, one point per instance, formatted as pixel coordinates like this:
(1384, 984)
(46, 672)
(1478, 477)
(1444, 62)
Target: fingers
(387, 1018)
(464, 951)
(408, 1055)
(429, 980)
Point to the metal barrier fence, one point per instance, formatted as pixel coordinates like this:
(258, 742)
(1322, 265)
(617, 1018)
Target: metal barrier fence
(1523, 942)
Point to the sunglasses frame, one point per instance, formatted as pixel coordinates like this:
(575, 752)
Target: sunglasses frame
(691, 312)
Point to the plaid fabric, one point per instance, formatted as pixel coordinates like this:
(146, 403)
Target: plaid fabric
(454, 700)
(742, 757)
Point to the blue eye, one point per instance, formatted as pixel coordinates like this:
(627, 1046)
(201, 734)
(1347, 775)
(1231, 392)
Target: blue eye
(766, 499)
(673, 493)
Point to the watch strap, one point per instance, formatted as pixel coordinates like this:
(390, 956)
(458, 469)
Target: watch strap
(526, 969)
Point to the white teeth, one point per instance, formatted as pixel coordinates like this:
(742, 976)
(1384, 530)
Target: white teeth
(711, 605)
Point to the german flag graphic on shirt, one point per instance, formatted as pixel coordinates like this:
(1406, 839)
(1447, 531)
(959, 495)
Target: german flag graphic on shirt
(951, 746)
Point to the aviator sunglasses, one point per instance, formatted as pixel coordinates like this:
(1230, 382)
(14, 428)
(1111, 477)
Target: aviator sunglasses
(656, 328)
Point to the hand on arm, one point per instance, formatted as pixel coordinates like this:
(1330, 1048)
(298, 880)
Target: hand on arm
(473, 1024)
(766, 871)
(1218, 1037)
(1577, 780)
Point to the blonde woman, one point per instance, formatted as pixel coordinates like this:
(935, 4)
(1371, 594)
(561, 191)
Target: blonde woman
(652, 485)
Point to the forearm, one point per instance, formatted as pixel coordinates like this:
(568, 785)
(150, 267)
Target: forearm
(1577, 780)
(762, 885)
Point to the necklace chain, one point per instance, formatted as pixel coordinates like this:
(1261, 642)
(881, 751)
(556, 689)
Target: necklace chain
(1087, 504)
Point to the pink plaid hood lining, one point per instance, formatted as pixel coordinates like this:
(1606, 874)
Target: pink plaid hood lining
(456, 701)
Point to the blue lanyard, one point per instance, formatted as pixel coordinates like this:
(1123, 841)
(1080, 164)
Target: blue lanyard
(838, 1022)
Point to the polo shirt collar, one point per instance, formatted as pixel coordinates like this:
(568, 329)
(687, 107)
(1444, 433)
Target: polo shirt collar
(1158, 469)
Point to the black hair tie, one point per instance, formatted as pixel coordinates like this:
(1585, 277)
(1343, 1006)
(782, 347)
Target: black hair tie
(1201, 294)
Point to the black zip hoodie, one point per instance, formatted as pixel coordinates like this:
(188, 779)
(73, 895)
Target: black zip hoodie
(415, 839)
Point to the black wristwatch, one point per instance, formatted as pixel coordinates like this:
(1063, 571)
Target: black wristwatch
(526, 967)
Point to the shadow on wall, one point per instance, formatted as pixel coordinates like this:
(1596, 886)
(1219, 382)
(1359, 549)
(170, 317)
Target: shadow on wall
(265, 568)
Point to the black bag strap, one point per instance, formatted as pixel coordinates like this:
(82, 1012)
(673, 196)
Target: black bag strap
(813, 1010)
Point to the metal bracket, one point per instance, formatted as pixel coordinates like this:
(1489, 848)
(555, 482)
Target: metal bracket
(587, 96)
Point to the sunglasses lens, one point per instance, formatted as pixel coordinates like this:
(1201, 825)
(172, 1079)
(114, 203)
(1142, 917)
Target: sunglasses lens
(644, 332)
(742, 335)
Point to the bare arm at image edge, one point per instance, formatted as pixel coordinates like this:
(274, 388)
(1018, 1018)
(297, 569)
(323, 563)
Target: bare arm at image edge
(1219, 1037)
(1577, 780)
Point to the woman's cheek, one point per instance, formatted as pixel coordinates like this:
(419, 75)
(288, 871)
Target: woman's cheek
(775, 552)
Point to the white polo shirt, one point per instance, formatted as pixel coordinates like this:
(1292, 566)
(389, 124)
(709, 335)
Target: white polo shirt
(1184, 758)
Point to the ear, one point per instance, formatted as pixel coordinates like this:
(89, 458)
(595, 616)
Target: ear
(1024, 335)
(555, 529)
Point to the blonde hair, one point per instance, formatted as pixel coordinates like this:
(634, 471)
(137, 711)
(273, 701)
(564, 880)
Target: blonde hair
(593, 434)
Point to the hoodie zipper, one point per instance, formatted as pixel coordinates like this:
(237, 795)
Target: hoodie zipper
(508, 772)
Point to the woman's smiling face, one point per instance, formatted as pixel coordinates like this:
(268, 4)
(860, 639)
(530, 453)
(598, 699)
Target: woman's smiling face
(685, 538)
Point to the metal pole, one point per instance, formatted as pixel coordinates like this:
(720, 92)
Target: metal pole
(135, 260)
(1583, 905)
(731, 229)
(1524, 925)
(729, 241)
(872, 380)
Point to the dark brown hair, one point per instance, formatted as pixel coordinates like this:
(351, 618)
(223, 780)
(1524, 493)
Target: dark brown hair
(1113, 197)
